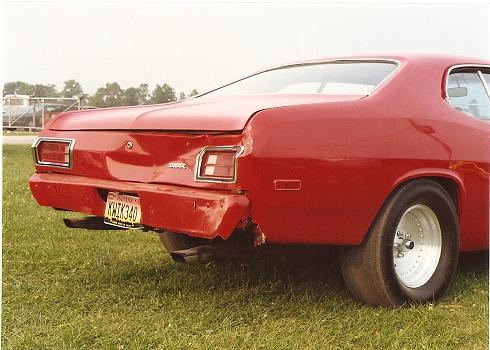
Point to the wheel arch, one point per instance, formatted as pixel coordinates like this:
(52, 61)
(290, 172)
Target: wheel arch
(448, 179)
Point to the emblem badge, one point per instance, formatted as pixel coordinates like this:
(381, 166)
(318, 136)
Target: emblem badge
(129, 145)
(177, 165)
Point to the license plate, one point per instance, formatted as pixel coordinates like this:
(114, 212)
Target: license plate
(122, 210)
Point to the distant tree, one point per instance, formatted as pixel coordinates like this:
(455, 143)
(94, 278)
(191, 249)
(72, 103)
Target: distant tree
(163, 93)
(17, 87)
(41, 90)
(130, 97)
(72, 88)
(109, 96)
(114, 94)
(182, 96)
(21, 88)
(97, 99)
(194, 92)
(143, 94)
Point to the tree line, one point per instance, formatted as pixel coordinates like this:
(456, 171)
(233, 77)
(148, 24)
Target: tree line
(110, 95)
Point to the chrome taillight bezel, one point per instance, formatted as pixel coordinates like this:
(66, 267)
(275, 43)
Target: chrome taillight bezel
(35, 151)
(203, 178)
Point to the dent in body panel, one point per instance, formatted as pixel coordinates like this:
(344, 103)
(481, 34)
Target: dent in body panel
(196, 212)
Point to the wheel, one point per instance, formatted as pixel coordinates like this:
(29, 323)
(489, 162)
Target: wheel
(173, 241)
(410, 253)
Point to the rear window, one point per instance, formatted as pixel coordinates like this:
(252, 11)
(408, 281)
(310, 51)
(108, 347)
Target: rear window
(331, 78)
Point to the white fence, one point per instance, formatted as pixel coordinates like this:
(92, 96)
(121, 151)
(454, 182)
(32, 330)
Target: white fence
(32, 113)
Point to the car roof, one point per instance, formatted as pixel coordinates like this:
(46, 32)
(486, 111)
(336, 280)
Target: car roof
(436, 59)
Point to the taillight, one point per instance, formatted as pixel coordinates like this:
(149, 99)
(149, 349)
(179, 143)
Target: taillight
(218, 164)
(53, 151)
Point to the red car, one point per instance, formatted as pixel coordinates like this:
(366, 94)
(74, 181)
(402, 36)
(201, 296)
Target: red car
(386, 156)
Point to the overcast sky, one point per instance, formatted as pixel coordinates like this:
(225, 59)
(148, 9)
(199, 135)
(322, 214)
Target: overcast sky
(201, 45)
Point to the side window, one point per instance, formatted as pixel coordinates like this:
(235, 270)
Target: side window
(466, 93)
(486, 76)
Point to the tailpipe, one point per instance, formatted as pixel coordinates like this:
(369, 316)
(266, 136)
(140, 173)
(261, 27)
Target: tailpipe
(90, 223)
(200, 254)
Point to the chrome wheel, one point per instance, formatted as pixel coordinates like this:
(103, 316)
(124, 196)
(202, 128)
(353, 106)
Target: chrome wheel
(411, 251)
(417, 246)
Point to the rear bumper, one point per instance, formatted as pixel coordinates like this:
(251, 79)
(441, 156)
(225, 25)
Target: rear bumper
(200, 213)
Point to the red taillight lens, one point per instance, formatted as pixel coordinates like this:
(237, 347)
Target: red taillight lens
(53, 152)
(218, 164)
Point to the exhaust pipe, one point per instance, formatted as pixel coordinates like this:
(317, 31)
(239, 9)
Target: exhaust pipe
(206, 253)
(90, 223)
(200, 254)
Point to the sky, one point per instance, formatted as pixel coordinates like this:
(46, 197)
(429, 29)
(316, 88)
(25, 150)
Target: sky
(198, 44)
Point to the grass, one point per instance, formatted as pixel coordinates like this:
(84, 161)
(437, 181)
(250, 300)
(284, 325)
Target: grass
(75, 289)
(19, 133)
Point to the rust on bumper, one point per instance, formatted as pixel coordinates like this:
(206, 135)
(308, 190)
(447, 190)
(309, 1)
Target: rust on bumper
(200, 213)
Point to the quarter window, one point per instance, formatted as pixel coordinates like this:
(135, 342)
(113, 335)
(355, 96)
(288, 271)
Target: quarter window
(466, 92)
(486, 76)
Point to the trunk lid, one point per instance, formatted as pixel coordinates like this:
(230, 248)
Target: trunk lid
(226, 113)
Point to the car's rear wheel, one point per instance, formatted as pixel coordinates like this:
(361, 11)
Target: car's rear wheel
(173, 241)
(411, 251)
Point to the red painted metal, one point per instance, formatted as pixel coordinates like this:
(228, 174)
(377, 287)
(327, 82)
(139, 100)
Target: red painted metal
(203, 213)
(287, 185)
(348, 152)
(216, 113)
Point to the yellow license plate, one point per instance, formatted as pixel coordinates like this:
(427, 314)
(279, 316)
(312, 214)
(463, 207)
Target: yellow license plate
(122, 210)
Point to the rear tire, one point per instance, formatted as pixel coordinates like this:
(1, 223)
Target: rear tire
(410, 253)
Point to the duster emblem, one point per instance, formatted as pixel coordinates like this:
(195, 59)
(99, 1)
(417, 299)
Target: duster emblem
(129, 145)
(177, 165)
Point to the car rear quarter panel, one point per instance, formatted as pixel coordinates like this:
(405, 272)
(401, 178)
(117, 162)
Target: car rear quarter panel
(349, 156)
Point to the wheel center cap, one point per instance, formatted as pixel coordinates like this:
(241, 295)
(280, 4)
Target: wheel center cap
(409, 244)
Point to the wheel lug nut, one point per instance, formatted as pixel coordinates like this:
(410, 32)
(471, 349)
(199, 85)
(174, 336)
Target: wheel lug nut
(401, 255)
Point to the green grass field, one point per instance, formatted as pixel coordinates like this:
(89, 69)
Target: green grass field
(75, 289)
(19, 133)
